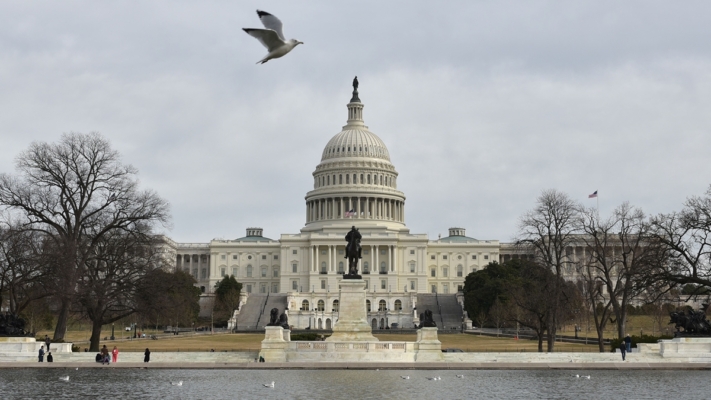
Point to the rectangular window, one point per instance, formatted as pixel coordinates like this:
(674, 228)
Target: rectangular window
(323, 252)
(234, 272)
(383, 284)
(275, 288)
(264, 257)
(222, 272)
(276, 257)
(249, 288)
(486, 257)
(473, 257)
(203, 273)
(412, 267)
(294, 251)
(367, 284)
(444, 257)
(445, 272)
(276, 273)
(433, 272)
(432, 257)
(294, 285)
(459, 288)
(365, 251)
(460, 273)
(294, 268)
(264, 272)
(262, 288)
(445, 288)
(323, 284)
(222, 257)
(340, 251)
(412, 251)
(412, 285)
(234, 257)
(434, 288)
(382, 251)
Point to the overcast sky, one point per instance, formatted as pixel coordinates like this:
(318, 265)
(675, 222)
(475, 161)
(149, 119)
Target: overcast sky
(482, 104)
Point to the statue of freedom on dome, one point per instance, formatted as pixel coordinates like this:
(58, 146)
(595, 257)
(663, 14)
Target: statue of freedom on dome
(355, 84)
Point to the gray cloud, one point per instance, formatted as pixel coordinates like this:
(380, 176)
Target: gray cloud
(482, 104)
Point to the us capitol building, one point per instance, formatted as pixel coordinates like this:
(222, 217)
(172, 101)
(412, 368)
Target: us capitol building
(355, 184)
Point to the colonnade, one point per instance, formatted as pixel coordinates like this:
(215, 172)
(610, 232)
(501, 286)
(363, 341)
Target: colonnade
(363, 208)
(375, 258)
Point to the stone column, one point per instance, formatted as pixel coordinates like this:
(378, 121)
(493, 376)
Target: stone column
(376, 267)
(330, 267)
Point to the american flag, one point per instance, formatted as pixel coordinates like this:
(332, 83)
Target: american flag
(592, 196)
(350, 213)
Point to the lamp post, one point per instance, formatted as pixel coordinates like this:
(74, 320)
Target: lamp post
(112, 332)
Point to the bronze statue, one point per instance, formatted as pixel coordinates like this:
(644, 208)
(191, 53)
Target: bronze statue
(353, 253)
(274, 317)
(426, 320)
(12, 325)
(355, 98)
(284, 320)
(693, 322)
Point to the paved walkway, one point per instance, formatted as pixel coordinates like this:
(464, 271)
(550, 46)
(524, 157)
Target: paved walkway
(373, 366)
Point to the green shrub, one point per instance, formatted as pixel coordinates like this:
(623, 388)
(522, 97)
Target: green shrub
(307, 337)
(615, 343)
(76, 349)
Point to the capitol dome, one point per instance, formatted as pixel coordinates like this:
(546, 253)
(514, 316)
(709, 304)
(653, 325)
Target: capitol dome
(355, 178)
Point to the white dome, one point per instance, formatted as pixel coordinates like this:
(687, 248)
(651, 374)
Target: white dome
(355, 143)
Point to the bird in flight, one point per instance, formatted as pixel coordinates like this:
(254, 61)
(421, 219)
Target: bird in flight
(272, 37)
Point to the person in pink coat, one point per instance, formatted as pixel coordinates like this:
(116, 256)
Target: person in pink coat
(114, 354)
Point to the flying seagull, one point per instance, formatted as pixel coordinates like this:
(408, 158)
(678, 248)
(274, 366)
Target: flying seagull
(272, 37)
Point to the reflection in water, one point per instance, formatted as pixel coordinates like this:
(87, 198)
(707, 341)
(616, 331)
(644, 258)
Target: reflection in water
(351, 384)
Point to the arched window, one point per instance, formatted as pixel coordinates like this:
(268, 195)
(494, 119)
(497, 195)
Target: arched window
(460, 270)
(367, 305)
(234, 271)
(264, 272)
(382, 306)
(275, 272)
(383, 267)
(445, 272)
(323, 267)
(249, 271)
(362, 180)
(334, 179)
(321, 305)
(305, 305)
(368, 179)
(398, 305)
(355, 179)
(340, 179)
(381, 180)
(335, 305)
(328, 180)
(348, 179)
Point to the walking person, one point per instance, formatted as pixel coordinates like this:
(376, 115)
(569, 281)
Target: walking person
(41, 354)
(47, 341)
(114, 354)
(147, 356)
(628, 343)
(623, 350)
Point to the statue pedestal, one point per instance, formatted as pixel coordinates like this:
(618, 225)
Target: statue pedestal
(352, 324)
(274, 346)
(429, 348)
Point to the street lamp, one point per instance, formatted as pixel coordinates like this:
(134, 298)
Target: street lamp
(112, 332)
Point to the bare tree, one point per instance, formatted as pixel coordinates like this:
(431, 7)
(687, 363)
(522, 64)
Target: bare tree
(620, 257)
(22, 271)
(686, 236)
(497, 314)
(76, 192)
(549, 229)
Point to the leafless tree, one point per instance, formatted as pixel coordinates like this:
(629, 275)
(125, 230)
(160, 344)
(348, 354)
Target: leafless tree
(497, 314)
(23, 273)
(76, 192)
(620, 256)
(686, 236)
(549, 229)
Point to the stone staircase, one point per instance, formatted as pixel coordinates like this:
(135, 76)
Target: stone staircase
(254, 314)
(446, 311)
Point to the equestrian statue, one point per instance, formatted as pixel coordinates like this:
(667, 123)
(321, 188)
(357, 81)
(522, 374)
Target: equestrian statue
(353, 253)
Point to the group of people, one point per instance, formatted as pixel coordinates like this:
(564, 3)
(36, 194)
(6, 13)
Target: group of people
(47, 342)
(106, 357)
(626, 346)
